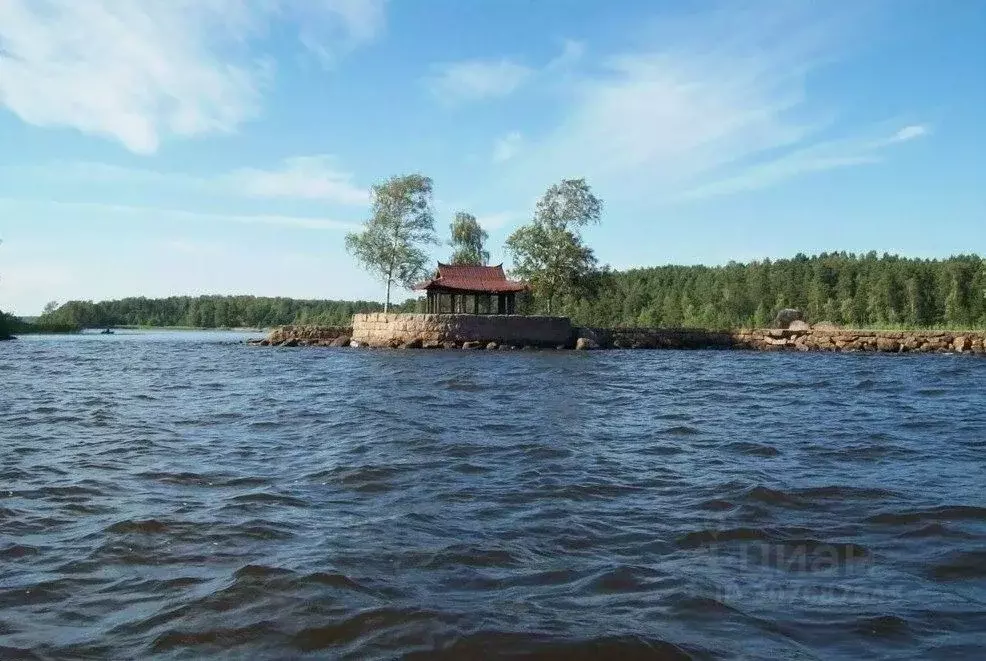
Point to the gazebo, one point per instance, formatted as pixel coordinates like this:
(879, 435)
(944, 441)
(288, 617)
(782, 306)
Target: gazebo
(485, 287)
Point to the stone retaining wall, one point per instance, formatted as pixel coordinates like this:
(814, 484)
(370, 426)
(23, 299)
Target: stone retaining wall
(439, 330)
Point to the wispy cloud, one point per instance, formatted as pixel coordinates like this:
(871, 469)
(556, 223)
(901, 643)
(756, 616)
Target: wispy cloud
(910, 133)
(819, 157)
(128, 212)
(139, 72)
(507, 147)
(300, 178)
(305, 178)
(477, 79)
(716, 99)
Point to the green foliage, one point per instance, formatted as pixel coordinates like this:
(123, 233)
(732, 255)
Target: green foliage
(847, 289)
(468, 240)
(203, 312)
(401, 223)
(549, 252)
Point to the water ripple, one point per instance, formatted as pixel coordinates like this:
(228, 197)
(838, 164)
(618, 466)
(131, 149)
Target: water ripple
(184, 496)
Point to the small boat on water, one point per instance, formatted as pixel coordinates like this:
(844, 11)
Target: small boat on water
(106, 331)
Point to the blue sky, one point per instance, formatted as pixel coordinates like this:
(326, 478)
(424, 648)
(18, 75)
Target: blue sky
(157, 147)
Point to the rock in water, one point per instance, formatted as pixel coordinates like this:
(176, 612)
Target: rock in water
(786, 316)
(584, 344)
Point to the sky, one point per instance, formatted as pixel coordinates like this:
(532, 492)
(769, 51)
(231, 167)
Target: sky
(161, 147)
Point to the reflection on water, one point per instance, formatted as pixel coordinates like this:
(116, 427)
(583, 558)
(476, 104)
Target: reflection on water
(183, 494)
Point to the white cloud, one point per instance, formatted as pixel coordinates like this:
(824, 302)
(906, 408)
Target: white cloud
(507, 147)
(478, 79)
(356, 22)
(306, 177)
(298, 178)
(910, 133)
(821, 156)
(138, 71)
(717, 97)
(12, 207)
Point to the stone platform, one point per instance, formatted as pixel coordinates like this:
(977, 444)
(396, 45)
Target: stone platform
(447, 330)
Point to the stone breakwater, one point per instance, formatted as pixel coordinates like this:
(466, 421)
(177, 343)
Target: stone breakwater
(459, 331)
(308, 336)
(847, 340)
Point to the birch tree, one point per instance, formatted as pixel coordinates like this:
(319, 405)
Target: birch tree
(468, 240)
(549, 252)
(391, 244)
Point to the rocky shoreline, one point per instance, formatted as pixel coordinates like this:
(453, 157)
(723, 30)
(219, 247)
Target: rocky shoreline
(773, 339)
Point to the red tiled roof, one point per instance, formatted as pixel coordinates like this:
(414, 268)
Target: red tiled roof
(472, 278)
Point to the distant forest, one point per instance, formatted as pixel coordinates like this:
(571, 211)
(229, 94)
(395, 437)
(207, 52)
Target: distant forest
(851, 290)
(204, 312)
(847, 289)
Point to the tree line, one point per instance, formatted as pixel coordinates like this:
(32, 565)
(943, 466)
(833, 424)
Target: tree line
(848, 289)
(202, 312)
(855, 290)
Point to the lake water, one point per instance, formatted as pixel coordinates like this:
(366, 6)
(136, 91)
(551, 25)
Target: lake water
(184, 495)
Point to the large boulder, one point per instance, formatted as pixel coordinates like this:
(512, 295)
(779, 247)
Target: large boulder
(799, 325)
(786, 316)
(341, 341)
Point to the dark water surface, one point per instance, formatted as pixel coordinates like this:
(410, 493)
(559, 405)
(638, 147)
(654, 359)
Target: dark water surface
(185, 496)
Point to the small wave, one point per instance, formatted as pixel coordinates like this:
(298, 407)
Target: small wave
(753, 449)
(962, 565)
(218, 639)
(458, 385)
(699, 538)
(264, 498)
(377, 620)
(883, 626)
(260, 573)
(624, 579)
(935, 530)
(539, 648)
(464, 556)
(761, 494)
(682, 430)
(18, 551)
(943, 513)
(843, 491)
